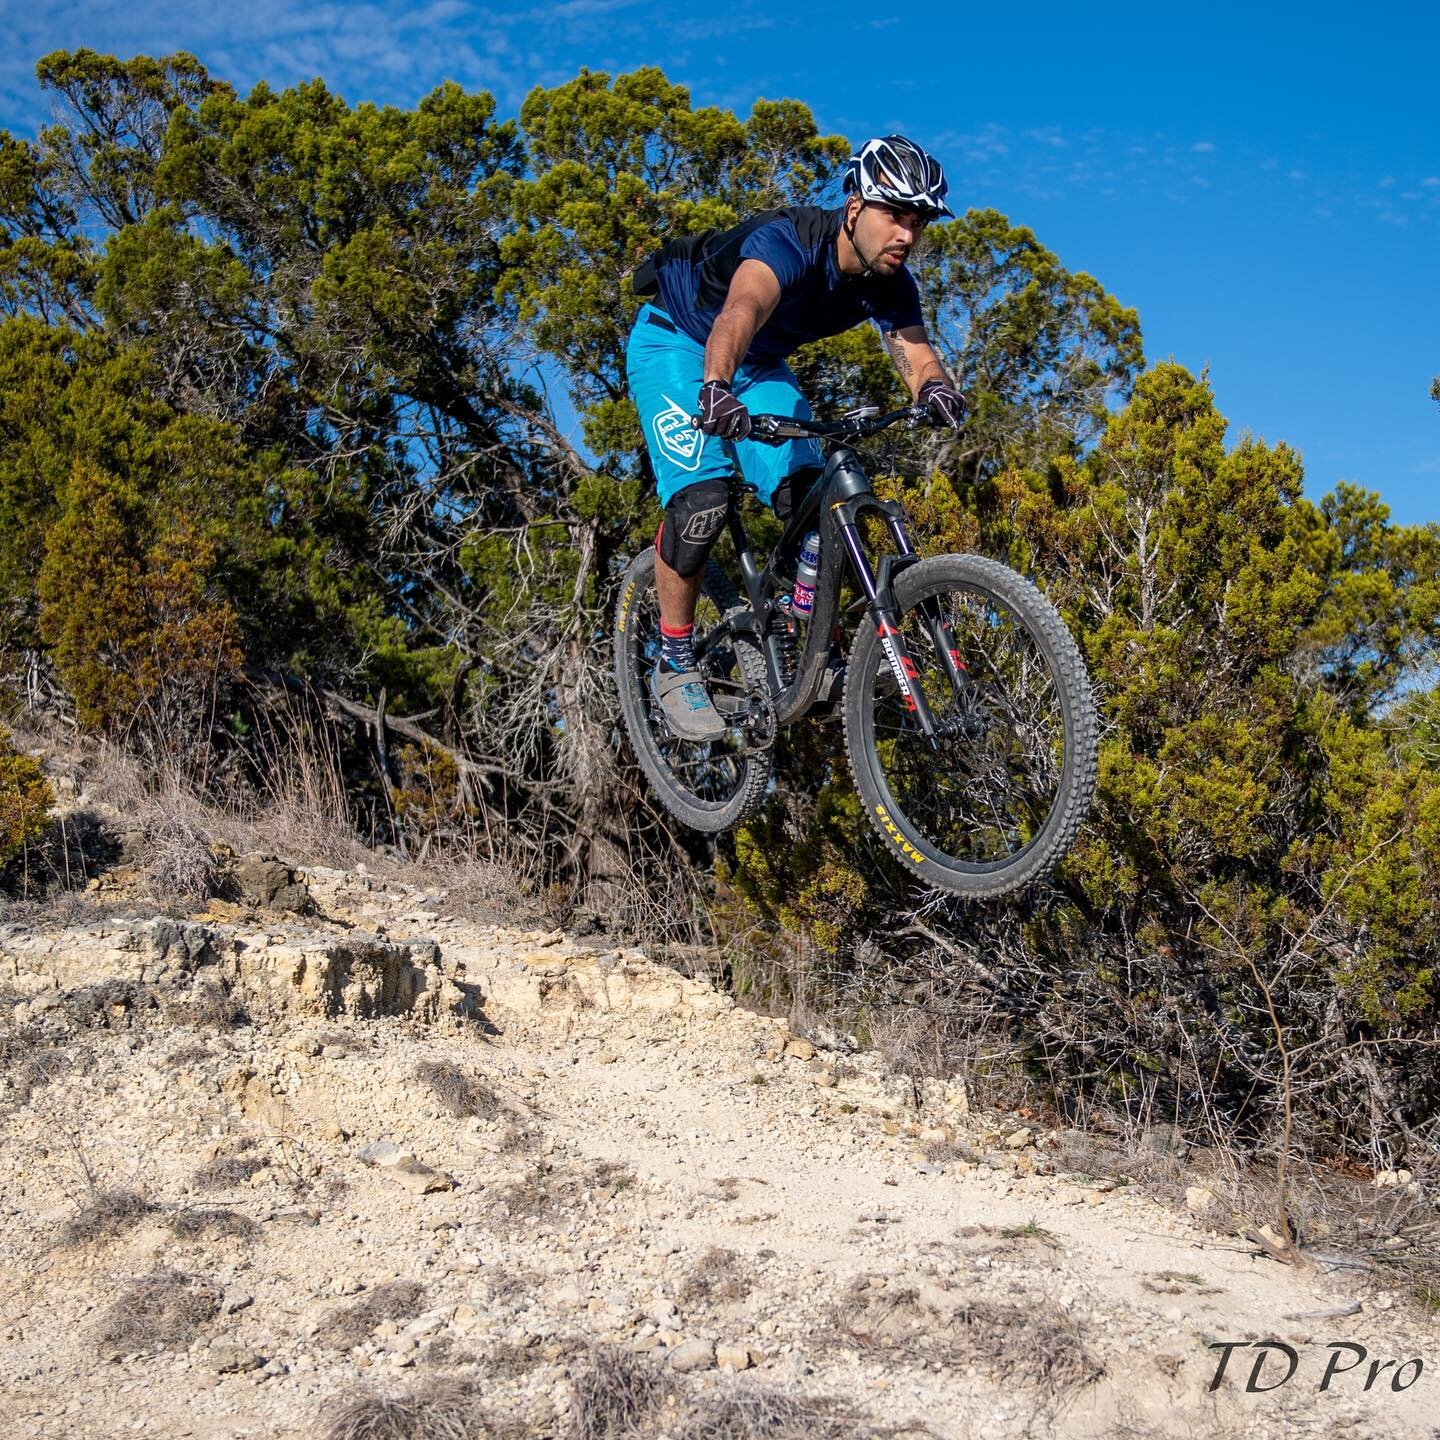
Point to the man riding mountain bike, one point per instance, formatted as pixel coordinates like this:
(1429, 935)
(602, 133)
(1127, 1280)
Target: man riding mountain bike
(724, 310)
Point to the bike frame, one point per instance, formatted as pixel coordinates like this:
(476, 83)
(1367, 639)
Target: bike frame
(833, 506)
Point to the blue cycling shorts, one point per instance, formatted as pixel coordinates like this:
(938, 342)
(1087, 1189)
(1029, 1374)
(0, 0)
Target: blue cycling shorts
(666, 369)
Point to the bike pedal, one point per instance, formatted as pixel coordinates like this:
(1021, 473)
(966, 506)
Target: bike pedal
(732, 707)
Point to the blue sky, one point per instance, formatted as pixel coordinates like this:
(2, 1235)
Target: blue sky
(1262, 182)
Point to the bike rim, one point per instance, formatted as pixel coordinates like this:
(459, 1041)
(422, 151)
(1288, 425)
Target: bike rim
(984, 799)
(711, 772)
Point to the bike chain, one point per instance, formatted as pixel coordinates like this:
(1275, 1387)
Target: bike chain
(768, 714)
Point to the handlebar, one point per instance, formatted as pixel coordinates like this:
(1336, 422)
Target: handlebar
(858, 425)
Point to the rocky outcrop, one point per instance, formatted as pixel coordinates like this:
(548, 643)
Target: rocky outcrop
(267, 973)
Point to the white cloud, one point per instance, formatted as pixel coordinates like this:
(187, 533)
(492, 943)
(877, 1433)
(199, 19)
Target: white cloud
(388, 51)
(1203, 147)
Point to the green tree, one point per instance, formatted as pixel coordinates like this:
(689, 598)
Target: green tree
(138, 635)
(25, 800)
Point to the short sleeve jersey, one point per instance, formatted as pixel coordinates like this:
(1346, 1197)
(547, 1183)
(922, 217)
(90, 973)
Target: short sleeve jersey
(816, 298)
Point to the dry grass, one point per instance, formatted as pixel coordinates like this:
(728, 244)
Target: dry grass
(511, 1359)
(1123, 1159)
(163, 1310)
(191, 1052)
(547, 1191)
(613, 1394)
(1030, 1230)
(462, 1095)
(110, 1214)
(946, 1152)
(347, 1325)
(756, 1412)
(225, 1172)
(483, 891)
(217, 1224)
(298, 810)
(719, 1276)
(32, 1069)
(519, 1138)
(446, 1411)
(1037, 1344)
(182, 873)
(209, 1006)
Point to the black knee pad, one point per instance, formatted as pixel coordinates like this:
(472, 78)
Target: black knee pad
(795, 486)
(693, 522)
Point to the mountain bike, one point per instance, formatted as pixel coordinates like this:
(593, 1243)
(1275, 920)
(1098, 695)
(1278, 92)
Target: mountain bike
(968, 719)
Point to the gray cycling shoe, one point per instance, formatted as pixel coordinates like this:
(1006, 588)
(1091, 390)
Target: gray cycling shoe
(686, 703)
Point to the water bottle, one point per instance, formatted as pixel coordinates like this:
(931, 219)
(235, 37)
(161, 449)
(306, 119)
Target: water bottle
(802, 601)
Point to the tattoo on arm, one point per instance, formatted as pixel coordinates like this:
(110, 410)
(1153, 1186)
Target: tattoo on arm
(897, 354)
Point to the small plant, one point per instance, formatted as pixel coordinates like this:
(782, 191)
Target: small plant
(613, 1393)
(109, 1214)
(1030, 1230)
(209, 1006)
(25, 800)
(188, 1224)
(226, 1171)
(718, 1275)
(754, 1412)
(40, 1068)
(182, 872)
(434, 1412)
(545, 1191)
(462, 1095)
(345, 1327)
(163, 1310)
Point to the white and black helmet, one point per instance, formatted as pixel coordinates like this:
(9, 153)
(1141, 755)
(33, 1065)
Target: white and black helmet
(896, 171)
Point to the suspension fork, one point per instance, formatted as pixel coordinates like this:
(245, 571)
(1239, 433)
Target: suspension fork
(941, 635)
(881, 599)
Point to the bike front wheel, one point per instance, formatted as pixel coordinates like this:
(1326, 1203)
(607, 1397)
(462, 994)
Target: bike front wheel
(709, 785)
(1000, 801)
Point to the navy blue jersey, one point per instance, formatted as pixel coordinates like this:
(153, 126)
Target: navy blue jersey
(690, 279)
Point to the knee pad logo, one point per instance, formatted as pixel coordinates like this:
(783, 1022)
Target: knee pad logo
(679, 441)
(704, 525)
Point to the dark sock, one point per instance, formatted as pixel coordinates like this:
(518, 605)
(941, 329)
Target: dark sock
(677, 648)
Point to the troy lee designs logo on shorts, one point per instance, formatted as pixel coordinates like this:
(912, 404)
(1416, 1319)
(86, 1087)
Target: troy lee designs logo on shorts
(677, 438)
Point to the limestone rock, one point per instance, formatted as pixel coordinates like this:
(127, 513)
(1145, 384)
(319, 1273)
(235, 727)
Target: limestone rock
(225, 1357)
(266, 881)
(692, 1355)
(733, 1357)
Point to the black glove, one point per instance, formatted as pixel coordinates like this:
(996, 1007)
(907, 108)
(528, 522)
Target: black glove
(721, 413)
(944, 402)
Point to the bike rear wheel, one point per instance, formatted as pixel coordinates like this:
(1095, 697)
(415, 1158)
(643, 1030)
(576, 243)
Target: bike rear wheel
(1002, 799)
(709, 785)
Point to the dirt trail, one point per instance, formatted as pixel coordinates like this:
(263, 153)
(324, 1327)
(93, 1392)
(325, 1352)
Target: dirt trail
(380, 1147)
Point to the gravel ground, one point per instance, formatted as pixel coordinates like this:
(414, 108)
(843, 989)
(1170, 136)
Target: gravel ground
(261, 1167)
